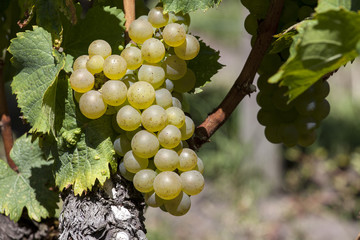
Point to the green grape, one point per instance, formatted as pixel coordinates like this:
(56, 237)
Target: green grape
(133, 163)
(166, 160)
(169, 85)
(128, 118)
(280, 100)
(257, 7)
(251, 24)
(144, 179)
(80, 62)
(187, 159)
(92, 105)
(157, 18)
(176, 103)
(99, 47)
(141, 95)
(178, 206)
(169, 137)
(175, 116)
(272, 134)
(270, 64)
(174, 34)
(175, 68)
(167, 185)
(307, 139)
(153, 200)
(77, 96)
(140, 30)
(267, 118)
(264, 100)
(305, 107)
(122, 145)
(186, 83)
(187, 130)
(305, 124)
(125, 173)
(114, 92)
(154, 118)
(189, 49)
(152, 50)
(199, 166)
(153, 74)
(289, 134)
(321, 89)
(163, 98)
(95, 64)
(322, 111)
(192, 182)
(304, 12)
(145, 144)
(132, 56)
(82, 80)
(115, 67)
(289, 12)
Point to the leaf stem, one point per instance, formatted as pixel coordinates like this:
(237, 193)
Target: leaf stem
(243, 84)
(129, 8)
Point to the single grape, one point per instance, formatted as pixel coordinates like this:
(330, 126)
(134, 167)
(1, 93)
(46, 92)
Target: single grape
(175, 68)
(321, 90)
(154, 118)
(178, 206)
(122, 145)
(267, 118)
(186, 83)
(80, 62)
(92, 105)
(128, 118)
(188, 49)
(125, 173)
(82, 80)
(152, 50)
(133, 163)
(153, 74)
(187, 159)
(307, 139)
(322, 111)
(187, 130)
(115, 67)
(169, 137)
(132, 56)
(167, 185)
(183, 20)
(114, 92)
(175, 116)
(305, 124)
(199, 166)
(174, 34)
(144, 179)
(95, 64)
(306, 106)
(251, 24)
(153, 200)
(169, 85)
(163, 98)
(192, 182)
(176, 102)
(145, 144)
(157, 18)
(99, 47)
(272, 133)
(140, 30)
(141, 95)
(289, 134)
(166, 160)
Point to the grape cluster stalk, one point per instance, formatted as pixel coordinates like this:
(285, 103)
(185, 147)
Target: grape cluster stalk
(286, 122)
(142, 88)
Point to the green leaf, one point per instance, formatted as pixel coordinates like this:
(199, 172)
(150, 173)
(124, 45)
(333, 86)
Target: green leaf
(322, 46)
(84, 149)
(99, 23)
(326, 5)
(30, 187)
(35, 85)
(48, 16)
(205, 65)
(284, 41)
(187, 6)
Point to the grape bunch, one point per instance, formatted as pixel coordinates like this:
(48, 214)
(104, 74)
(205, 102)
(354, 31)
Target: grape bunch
(142, 88)
(295, 122)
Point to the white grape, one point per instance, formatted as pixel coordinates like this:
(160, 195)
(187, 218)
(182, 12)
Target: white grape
(178, 206)
(145, 144)
(134, 163)
(187, 130)
(187, 159)
(192, 182)
(82, 80)
(154, 118)
(95, 64)
(175, 116)
(152, 50)
(128, 118)
(122, 145)
(153, 74)
(157, 18)
(114, 92)
(153, 200)
(189, 49)
(169, 137)
(133, 58)
(141, 95)
(115, 67)
(99, 47)
(174, 34)
(163, 98)
(92, 105)
(140, 30)
(167, 185)
(144, 179)
(80, 62)
(175, 68)
(166, 160)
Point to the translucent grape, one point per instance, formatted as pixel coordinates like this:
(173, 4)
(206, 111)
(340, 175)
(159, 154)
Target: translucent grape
(140, 30)
(132, 56)
(187, 159)
(192, 182)
(145, 144)
(114, 67)
(187, 130)
(152, 50)
(182, 19)
(178, 206)
(174, 34)
(153, 74)
(99, 47)
(175, 68)
(134, 163)
(176, 102)
(166, 160)
(189, 49)
(154, 118)
(272, 134)
(199, 166)
(122, 145)
(95, 64)
(114, 92)
(163, 98)
(175, 116)
(80, 62)
(82, 80)
(92, 105)
(125, 173)
(186, 83)
(169, 137)
(153, 200)
(144, 179)
(169, 85)
(128, 118)
(251, 24)
(141, 95)
(157, 18)
(167, 185)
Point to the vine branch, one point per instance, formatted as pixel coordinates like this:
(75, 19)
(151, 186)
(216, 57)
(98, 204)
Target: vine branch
(129, 8)
(243, 84)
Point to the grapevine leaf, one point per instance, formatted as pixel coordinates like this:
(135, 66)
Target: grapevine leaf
(84, 148)
(30, 187)
(322, 46)
(48, 16)
(39, 65)
(284, 41)
(187, 6)
(205, 65)
(326, 5)
(99, 23)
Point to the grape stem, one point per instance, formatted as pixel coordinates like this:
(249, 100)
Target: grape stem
(129, 8)
(5, 123)
(243, 83)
